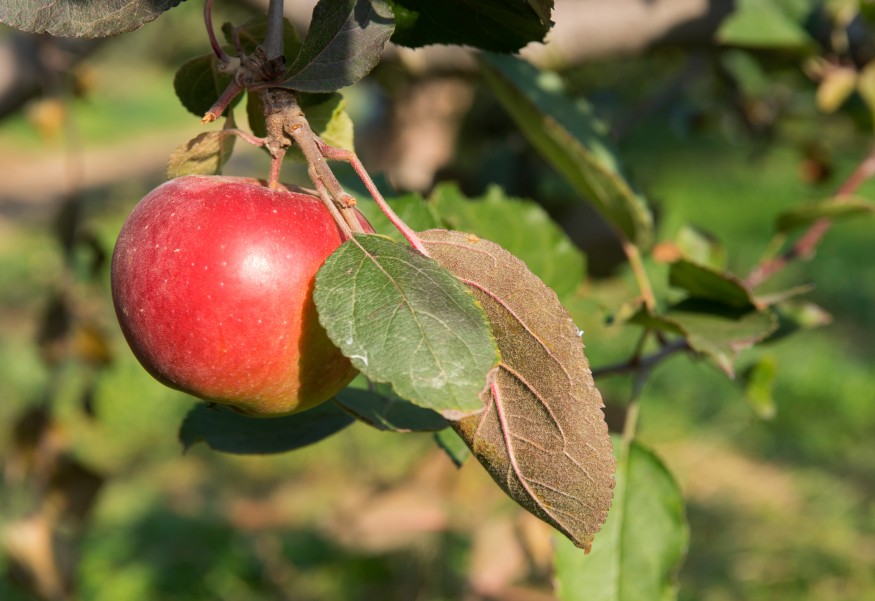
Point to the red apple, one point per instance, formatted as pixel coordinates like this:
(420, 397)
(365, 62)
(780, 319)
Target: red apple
(212, 280)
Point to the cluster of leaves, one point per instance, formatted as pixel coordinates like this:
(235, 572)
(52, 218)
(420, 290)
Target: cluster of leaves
(497, 26)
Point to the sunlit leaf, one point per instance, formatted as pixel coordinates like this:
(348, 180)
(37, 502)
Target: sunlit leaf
(496, 25)
(795, 315)
(411, 208)
(713, 329)
(521, 227)
(701, 247)
(205, 154)
(834, 209)
(403, 319)
(542, 437)
(836, 86)
(327, 116)
(765, 24)
(759, 383)
(700, 281)
(572, 138)
(639, 551)
(223, 429)
(345, 41)
(75, 18)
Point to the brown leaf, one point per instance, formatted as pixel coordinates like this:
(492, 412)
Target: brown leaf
(542, 436)
(204, 154)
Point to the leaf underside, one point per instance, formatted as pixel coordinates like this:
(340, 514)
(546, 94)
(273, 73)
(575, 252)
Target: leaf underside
(205, 154)
(385, 411)
(223, 429)
(403, 319)
(542, 437)
(81, 18)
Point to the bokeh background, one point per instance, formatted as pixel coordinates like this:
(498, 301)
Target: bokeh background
(97, 496)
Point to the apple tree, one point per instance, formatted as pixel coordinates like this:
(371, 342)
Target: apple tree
(295, 312)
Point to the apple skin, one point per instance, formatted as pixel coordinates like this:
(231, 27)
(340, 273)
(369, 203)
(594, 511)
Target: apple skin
(212, 282)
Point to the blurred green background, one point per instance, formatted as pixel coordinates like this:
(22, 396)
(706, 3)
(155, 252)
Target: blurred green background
(780, 508)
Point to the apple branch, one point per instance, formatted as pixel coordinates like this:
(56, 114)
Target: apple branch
(286, 123)
(641, 364)
(806, 245)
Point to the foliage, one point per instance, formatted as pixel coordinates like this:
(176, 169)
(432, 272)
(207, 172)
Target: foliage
(471, 333)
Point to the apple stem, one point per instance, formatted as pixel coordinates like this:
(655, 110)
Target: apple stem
(340, 154)
(208, 21)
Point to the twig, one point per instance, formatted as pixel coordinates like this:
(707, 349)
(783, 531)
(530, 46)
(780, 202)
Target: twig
(633, 255)
(641, 364)
(806, 245)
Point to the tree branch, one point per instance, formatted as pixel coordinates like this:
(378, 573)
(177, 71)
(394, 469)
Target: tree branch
(807, 244)
(641, 364)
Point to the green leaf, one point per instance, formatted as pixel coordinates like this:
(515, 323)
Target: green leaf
(255, 115)
(713, 329)
(521, 227)
(198, 84)
(572, 138)
(328, 118)
(386, 411)
(766, 24)
(759, 383)
(835, 88)
(642, 545)
(543, 436)
(707, 283)
(411, 208)
(866, 86)
(834, 208)
(496, 25)
(403, 319)
(746, 71)
(223, 429)
(345, 41)
(76, 18)
(701, 247)
(794, 316)
(453, 446)
(205, 154)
